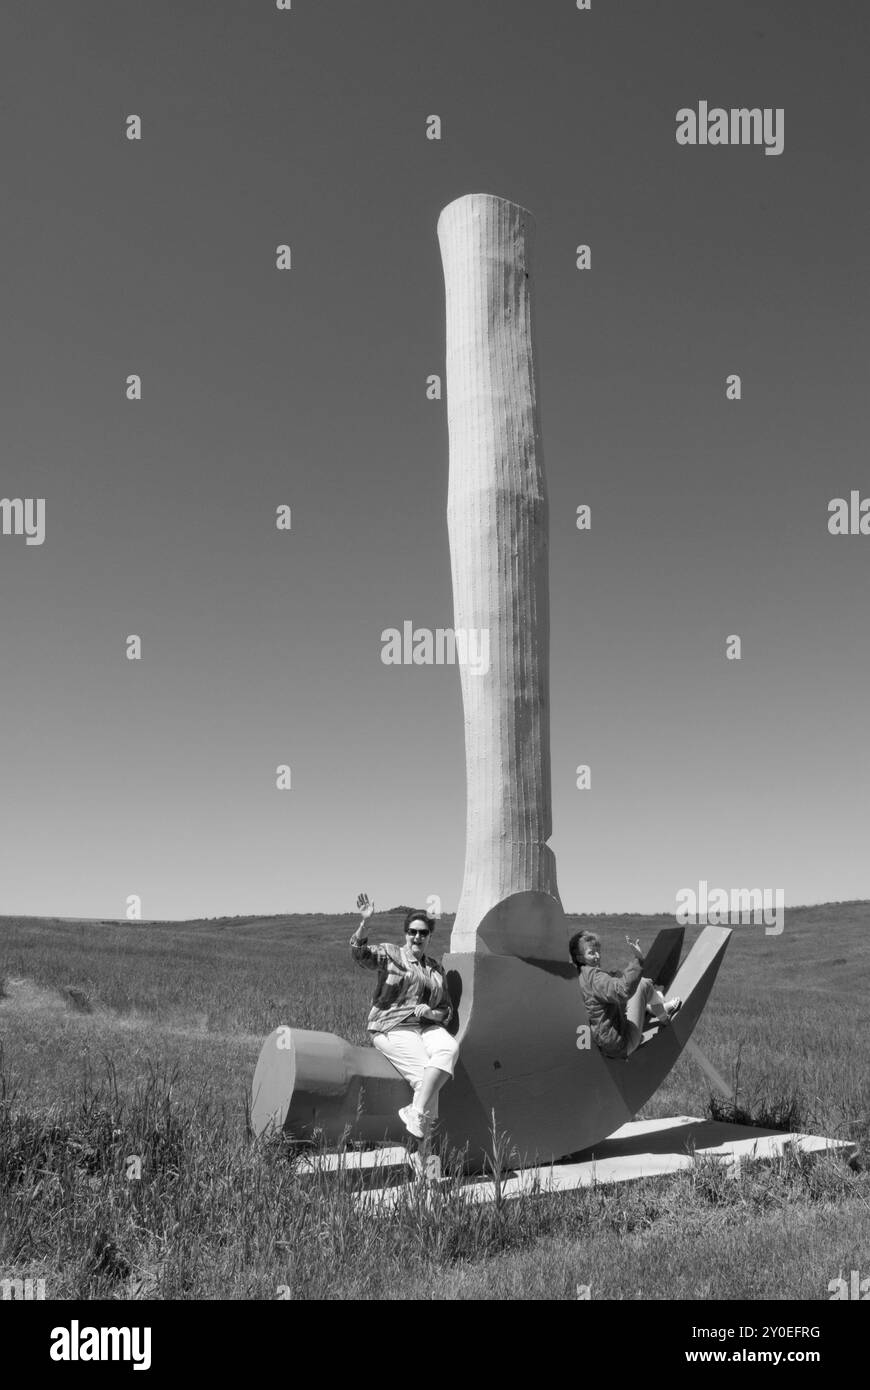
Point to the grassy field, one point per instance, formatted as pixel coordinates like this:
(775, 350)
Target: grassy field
(140, 1039)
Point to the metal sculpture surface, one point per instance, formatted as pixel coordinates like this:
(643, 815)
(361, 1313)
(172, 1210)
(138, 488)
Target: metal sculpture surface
(519, 1005)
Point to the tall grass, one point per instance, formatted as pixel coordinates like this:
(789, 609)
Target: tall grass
(134, 1047)
(216, 1214)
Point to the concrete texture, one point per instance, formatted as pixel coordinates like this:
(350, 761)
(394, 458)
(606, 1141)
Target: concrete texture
(519, 1058)
(640, 1149)
(497, 518)
(518, 1004)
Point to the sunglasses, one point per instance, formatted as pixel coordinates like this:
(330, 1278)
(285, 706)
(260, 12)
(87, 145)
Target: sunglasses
(412, 931)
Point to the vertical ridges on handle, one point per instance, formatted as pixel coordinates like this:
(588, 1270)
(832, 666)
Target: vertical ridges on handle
(498, 527)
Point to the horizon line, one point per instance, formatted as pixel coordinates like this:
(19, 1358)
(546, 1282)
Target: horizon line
(386, 912)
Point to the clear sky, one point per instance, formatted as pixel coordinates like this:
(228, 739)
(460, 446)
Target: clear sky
(307, 387)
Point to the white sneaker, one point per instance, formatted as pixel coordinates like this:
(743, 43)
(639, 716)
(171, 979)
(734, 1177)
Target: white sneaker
(413, 1121)
(426, 1171)
(673, 1007)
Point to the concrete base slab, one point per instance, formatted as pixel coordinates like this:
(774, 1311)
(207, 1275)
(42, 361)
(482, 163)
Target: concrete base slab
(640, 1149)
(355, 1160)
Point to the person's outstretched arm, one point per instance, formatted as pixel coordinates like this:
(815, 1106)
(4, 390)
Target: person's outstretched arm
(370, 958)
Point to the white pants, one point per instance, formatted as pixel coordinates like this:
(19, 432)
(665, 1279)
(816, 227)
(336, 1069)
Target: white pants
(412, 1050)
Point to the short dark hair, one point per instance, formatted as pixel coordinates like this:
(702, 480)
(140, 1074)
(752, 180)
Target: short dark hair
(418, 915)
(578, 944)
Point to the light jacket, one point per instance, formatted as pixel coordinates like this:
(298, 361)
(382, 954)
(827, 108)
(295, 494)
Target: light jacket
(605, 995)
(402, 984)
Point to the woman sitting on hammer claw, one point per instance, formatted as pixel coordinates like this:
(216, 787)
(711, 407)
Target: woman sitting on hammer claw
(617, 1005)
(409, 1009)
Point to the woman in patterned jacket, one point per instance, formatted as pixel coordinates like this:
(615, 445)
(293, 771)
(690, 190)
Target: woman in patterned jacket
(410, 1008)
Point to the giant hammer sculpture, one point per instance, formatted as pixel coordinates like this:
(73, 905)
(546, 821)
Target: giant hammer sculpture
(520, 1011)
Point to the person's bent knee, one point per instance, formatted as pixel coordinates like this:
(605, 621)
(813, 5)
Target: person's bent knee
(444, 1054)
(448, 1044)
(443, 1060)
(403, 1050)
